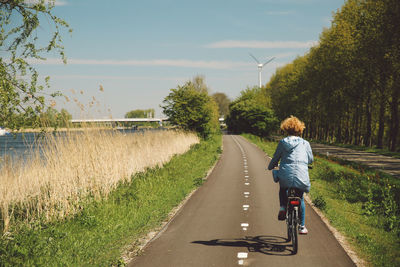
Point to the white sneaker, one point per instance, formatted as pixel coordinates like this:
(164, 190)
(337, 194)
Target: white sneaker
(303, 230)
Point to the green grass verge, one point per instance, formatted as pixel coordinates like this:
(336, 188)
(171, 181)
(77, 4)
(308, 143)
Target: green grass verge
(362, 204)
(268, 146)
(100, 233)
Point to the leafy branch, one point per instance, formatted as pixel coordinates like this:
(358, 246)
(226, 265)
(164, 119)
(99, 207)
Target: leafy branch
(21, 95)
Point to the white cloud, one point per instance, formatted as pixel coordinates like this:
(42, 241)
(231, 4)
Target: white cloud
(261, 44)
(118, 78)
(278, 13)
(285, 55)
(155, 62)
(46, 2)
(61, 3)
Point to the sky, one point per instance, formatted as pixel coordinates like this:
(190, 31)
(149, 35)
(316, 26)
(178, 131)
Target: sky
(128, 54)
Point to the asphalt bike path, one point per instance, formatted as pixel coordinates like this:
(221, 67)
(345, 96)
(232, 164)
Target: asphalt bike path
(231, 220)
(387, 164)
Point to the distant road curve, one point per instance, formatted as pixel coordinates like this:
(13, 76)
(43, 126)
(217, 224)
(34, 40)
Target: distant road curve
(386, 164)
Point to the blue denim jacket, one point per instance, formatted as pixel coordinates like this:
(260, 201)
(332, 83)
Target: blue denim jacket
(295, 154)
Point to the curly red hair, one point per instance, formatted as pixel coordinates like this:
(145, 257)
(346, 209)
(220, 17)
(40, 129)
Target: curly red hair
(293, 126)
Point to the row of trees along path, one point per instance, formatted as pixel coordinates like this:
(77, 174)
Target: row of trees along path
(347, 87)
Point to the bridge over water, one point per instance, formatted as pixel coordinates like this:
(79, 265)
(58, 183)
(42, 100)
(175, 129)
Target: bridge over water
(116, 121)
(123, 120)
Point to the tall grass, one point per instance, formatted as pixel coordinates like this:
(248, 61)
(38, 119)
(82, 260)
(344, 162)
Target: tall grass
(76, 166)
(108, 232)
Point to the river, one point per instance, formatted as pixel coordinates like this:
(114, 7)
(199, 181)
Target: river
(22, 145)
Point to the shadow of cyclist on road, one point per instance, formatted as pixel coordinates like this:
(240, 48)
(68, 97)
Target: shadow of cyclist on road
(269, 245)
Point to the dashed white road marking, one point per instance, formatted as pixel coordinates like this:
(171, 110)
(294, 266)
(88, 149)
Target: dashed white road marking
(246, 176)
(244, 226)
(246, 183)
(246, 207)
(241, 256)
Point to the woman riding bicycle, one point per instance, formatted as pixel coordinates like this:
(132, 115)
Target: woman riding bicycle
(295, 155)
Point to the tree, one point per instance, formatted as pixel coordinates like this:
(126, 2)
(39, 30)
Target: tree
(250, 113)
(192, 110)
(346, 88)
(223, 103)
(140, 113)
(199, 84)
(21, 95)
(54, 118)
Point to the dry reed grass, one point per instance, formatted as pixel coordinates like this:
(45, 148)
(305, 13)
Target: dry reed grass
(78, 166)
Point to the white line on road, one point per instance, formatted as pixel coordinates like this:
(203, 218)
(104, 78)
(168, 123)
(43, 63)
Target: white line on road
(244, 226)
(241, 256)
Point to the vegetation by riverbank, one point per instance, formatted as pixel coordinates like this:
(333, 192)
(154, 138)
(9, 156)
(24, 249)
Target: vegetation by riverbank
(362, 204)
(73, 166)
(103, 229)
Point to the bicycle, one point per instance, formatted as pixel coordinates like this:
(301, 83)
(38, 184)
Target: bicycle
(293, 217)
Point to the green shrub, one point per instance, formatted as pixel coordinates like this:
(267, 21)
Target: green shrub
(319, 202)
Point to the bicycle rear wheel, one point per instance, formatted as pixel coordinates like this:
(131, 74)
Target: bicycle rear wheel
(294, 233)
(289, 227)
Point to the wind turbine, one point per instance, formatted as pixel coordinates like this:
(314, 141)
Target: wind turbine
(260, 66)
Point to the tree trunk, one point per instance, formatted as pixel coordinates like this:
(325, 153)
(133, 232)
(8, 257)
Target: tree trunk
(394, 124)
(347, 128)
(368, 128)
(356, 128)
(339, 133)
(326, 134)
(381, 128)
